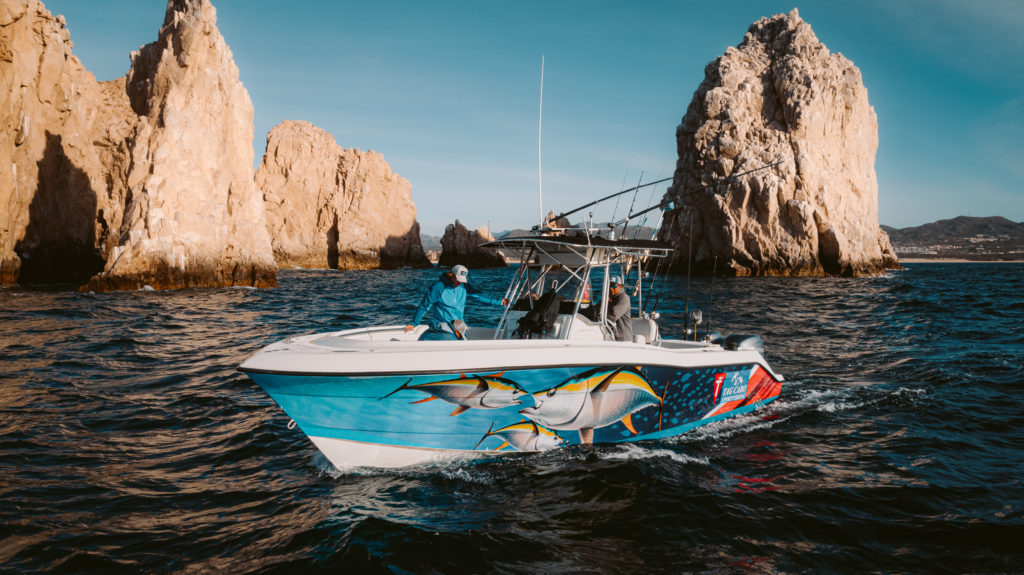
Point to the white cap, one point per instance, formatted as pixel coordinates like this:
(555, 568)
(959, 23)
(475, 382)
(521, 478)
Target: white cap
(461, 274)
(616, 280)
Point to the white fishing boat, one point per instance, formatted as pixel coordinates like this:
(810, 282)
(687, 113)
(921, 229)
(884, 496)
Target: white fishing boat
(378, 396)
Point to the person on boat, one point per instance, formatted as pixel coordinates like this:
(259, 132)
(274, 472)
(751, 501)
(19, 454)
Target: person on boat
(447, 298)
(618, 310)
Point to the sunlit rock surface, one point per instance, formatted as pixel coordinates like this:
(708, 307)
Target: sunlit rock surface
(62, 152)
(193, 215)
(329, 207)
(143, 180)
(460, 245)
(780, 96)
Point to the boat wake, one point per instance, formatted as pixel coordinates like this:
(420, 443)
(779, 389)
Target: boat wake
(636, 452)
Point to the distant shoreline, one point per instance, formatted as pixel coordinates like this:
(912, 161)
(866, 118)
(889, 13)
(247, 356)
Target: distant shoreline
(955, 261)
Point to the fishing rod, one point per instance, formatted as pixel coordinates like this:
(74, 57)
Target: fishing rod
(625, 220)
(689, 265)
(711, 297)
(624, 176)
(689, 255)
(665, 203)
(657, 272)
(632, 204)
(608, 197)
(635, 188)
(643, 223)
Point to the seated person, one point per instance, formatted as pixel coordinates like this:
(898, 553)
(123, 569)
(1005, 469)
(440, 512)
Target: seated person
(618, 310)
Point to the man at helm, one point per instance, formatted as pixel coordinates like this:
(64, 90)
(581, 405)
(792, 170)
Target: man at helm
(618, 310)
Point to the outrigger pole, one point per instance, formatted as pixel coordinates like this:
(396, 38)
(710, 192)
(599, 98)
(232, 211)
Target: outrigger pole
(595, 202)
(660, 204)
(540, 120)
(625, 220)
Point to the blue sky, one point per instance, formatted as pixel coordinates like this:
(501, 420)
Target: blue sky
(448, 92)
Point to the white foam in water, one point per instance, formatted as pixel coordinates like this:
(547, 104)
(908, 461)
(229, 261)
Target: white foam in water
(821, 400)
(834, 406)
(729, 427)
(838, 401)
(324, 467)
(632, 451)
(909, 391)
(467, 475)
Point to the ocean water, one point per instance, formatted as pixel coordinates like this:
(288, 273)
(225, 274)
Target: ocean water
(130, 444)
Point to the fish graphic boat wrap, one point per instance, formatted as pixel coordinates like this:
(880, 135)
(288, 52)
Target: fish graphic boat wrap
(522, 409)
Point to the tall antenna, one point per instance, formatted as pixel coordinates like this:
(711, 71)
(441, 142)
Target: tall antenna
(540, 121)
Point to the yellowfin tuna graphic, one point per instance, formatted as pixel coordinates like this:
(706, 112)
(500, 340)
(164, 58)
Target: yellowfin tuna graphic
(593, 399)
(524, 436)
(479, 391)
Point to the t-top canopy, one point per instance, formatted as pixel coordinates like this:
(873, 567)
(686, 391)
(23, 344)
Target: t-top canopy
(591, 248)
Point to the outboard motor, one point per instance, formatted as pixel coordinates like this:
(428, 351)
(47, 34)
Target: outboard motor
(740, 342)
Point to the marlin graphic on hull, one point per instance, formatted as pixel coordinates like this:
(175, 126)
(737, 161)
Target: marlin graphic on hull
(466, 392)
(591, 400)
(524, 436)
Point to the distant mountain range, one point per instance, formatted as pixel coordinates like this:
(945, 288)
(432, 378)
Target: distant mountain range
(963, 237)
(991, 238)
(959, 227)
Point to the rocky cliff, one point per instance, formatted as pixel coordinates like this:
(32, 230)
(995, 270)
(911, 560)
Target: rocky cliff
(780, 96)
(462, 246)
(328, 207)
(144, 180)
(193, 215)
(62, 149)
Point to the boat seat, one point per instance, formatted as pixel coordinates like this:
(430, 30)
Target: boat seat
(645, 328)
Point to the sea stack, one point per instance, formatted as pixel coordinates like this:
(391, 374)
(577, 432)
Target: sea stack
(192, 214)
(459, 245)
(329, 207)
(141, 181)
(63, 136)
(781, 99)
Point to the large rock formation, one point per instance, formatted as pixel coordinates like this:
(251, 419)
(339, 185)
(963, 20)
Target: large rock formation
(461, 246)
(146, 179)
(193, 215)
(62, 144)
(781, 96)
(328, 207)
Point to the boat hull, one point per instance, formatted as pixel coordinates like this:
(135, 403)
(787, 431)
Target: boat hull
(395, 420)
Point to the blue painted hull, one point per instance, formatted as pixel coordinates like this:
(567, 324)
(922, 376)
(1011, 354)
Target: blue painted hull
(518, 410)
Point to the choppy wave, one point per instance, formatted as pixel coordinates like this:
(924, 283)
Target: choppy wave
(129, 443)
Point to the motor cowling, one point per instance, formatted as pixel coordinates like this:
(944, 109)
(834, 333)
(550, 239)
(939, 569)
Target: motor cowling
(741, 342)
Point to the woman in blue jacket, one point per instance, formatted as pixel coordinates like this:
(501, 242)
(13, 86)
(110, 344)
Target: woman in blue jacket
(448, 299)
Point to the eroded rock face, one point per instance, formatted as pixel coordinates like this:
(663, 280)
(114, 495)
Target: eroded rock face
(193, 215)
(779, 97)
(328, 207)
(62, 151)
(462, 246)
(144, 180)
